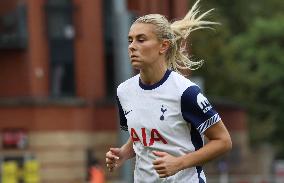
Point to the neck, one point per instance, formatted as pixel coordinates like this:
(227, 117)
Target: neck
(153, 74)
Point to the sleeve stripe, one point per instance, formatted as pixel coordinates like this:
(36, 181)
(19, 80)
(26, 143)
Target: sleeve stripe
(209, 122)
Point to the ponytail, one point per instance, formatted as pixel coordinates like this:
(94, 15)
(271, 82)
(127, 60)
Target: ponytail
(177, 33)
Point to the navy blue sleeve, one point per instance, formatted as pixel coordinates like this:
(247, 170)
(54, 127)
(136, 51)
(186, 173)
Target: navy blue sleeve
(123, 120)
(197, 110)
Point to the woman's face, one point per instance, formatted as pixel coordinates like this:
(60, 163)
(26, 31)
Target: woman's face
(144, 47)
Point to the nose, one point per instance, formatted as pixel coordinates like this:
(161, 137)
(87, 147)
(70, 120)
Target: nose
(132, 46)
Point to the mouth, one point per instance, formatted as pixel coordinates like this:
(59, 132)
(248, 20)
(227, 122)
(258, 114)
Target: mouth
(133, 56)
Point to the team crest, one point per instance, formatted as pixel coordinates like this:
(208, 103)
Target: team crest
(163, 110)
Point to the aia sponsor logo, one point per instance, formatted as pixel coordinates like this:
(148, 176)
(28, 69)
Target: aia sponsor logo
(144, 139)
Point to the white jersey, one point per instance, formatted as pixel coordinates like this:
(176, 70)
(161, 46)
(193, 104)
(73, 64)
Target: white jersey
(169, 116)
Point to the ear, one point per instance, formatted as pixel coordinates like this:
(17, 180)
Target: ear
(165, 45)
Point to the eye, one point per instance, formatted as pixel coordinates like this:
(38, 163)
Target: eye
(130, 41)
(141, 40)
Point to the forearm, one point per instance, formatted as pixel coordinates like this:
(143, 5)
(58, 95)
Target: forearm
(210, 151)
(128, 150)
(219, 143)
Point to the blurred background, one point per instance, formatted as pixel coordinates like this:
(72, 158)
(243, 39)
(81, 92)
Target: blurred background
(60, 63)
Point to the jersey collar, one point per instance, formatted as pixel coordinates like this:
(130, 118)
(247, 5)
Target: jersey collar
(156, 85)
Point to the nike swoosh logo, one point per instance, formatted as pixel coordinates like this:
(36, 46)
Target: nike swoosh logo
(127, 112)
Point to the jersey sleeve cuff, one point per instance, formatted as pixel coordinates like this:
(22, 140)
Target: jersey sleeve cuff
(209, 122)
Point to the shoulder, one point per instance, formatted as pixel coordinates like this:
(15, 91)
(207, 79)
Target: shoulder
(128, 84)
(182, 83)
(192, 92)
(189, 91)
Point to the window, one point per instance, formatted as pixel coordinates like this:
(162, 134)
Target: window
(13, 28)
(61, 37)
(108, 43)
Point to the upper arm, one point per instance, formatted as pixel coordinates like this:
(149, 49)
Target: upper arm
(217, 131)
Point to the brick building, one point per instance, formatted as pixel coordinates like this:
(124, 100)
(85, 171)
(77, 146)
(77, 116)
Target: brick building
(57, 83)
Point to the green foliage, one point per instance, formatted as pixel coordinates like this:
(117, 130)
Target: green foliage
(245, 59)
(258, 55)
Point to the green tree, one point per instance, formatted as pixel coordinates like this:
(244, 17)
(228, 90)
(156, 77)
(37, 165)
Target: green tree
(259, 60)
(245, 58)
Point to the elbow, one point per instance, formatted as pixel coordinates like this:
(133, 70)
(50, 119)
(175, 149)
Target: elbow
(227, 144)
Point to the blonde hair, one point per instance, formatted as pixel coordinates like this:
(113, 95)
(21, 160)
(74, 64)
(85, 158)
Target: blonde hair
(177, 33)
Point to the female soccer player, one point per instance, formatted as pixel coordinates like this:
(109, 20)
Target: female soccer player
(166, 114)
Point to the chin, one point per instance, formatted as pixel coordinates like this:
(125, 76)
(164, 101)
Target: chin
(136, 65)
